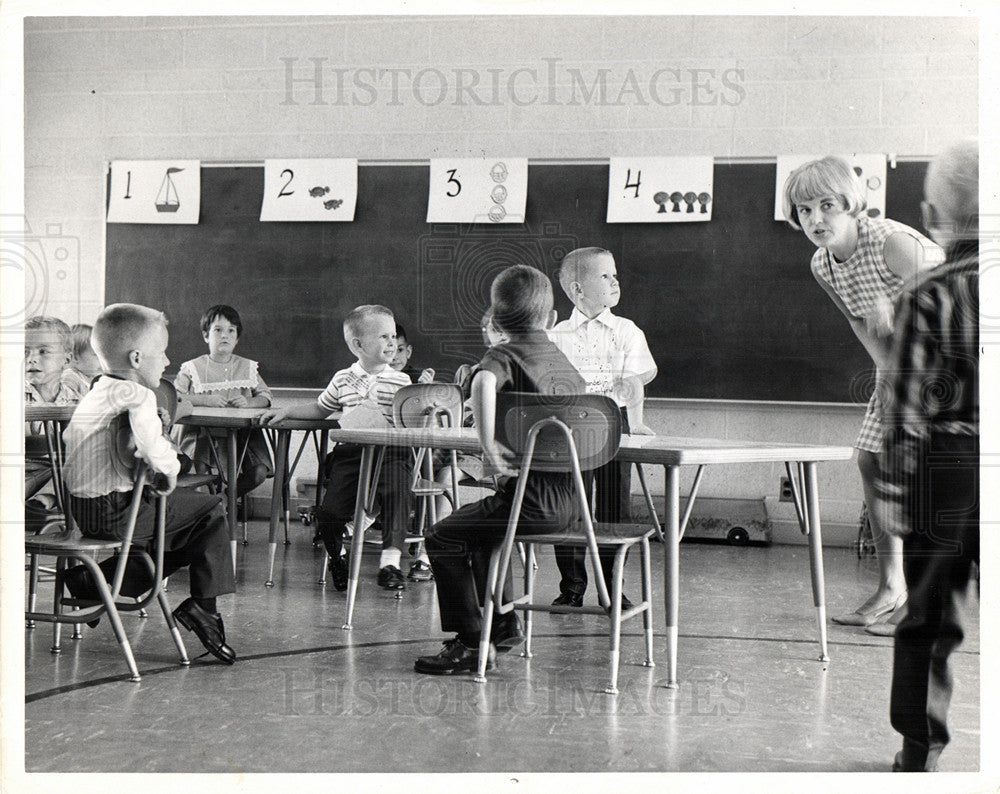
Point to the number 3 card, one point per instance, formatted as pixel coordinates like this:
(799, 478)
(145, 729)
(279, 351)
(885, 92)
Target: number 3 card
(660, 189)
(310, 190)
(478, 190)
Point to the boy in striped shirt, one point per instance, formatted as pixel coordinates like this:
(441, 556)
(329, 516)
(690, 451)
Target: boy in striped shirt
(370, 333)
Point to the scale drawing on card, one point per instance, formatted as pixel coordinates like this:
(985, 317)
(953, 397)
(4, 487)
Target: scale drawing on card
(477, 190)
(660, 189)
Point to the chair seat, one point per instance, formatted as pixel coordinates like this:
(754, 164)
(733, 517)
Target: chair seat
(423, 487)
(196, 480)
(62, 542)
(607, 535)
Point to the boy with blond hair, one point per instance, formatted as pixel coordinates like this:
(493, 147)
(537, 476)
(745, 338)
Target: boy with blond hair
(131, 343)
(611, 354)
(370, 333)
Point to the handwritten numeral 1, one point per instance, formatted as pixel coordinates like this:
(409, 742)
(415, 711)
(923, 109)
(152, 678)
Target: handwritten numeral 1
(128, 186)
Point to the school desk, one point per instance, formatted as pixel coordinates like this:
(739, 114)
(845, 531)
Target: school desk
(52, 417)
(231, 420)
(670, 452)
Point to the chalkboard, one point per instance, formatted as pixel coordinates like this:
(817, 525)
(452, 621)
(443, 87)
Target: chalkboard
(729, 307)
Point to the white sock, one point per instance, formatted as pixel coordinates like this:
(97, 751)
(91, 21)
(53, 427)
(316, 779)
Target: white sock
(422, 557)
(390, 557)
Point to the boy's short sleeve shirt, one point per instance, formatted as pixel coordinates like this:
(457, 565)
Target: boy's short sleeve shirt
(603, 349)
(532, 363)
(352, 386)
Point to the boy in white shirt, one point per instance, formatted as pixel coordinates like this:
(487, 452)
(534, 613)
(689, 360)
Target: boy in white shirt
(131, 343)
(612, 356)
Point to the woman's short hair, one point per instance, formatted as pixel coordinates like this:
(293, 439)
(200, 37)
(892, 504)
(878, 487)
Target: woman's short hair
(830, 176)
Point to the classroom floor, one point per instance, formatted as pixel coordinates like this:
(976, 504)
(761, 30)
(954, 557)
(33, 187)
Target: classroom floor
(306, 696)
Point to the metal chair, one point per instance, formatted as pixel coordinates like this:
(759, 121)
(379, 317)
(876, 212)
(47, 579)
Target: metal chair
(569, 433)
(426, 405)
(70, 544)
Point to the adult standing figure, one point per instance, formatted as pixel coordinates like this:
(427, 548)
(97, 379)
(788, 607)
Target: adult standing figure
(863, 264)
(931, 458)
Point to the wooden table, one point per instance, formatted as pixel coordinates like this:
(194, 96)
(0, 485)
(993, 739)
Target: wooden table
(670, 452)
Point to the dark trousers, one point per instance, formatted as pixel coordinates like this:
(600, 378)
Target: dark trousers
(459, 546)
(938, 559)
(610, 491)
(196, 536)
(393, 498)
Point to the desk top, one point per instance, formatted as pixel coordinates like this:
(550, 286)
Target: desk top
(47, 412)
(662, 450)
(203, 416)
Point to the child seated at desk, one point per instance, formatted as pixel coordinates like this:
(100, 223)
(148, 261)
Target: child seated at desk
(131, 342)
(370, 333)
(48, 348)
(84, 364)
(400, 362)
(219, 379)
(527, 362)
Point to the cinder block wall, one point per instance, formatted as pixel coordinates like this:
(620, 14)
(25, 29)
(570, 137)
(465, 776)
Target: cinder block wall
(245, 88)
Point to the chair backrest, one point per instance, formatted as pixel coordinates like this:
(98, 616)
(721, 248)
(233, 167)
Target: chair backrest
(594, 421)
(166, 398)
(428, 404)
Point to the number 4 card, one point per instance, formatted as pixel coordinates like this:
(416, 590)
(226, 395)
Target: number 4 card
(660, 189)
(478, 190)
(310, 190)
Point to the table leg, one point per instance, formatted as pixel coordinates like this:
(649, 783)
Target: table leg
(671, 568)
(358, 540)
(811, 510)
(233, 465)
(280, 475)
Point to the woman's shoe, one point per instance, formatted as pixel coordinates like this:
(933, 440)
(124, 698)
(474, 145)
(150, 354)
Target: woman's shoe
(885, 626)
(858, 618)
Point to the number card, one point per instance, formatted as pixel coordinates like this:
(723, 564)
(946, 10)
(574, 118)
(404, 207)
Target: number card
(310, 190)
(478, 190)
(660, 189)
(155, 191)
(869, 169)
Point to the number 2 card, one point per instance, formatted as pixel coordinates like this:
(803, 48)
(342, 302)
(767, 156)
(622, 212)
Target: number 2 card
(660, 189)
(310, 190)
(478, 190)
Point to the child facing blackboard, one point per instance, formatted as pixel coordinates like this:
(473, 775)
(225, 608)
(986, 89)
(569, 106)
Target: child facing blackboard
(863, 264)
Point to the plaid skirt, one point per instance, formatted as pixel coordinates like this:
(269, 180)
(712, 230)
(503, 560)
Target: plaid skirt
(870, 438)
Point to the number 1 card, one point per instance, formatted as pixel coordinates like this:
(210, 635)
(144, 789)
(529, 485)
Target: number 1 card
(660, 189)
(155, 191)
(478, 190)
(310, 190)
